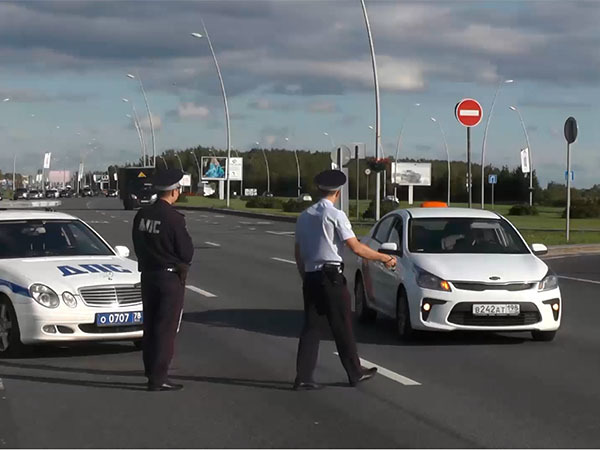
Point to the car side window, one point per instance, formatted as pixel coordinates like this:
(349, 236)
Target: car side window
(396, 233)
(383, 229)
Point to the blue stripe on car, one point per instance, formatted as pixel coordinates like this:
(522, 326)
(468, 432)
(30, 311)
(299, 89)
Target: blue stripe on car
(15, 288)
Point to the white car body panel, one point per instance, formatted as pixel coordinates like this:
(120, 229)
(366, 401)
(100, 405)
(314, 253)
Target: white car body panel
(382, 285)
(67, 274)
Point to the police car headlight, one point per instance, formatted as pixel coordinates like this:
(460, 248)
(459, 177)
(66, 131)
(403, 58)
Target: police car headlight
(69, 299)
(430, 281)
(549, 282)
(44, 295)
(154, 197)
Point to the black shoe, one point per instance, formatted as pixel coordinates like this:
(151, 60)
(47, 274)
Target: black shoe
(367, 374)
(307, 386)
(165, 387)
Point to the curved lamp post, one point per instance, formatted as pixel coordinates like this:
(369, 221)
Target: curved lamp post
(297, 166)
(164, 161)
(325, 133)
(179, 159)
(267, 166)
(228, 125)
(138, 128)
(377, 112)
(133, 77)
(514, 108)
(487, 125)
(433, 119)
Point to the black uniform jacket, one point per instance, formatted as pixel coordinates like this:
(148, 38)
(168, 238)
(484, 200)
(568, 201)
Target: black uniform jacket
(160, 237)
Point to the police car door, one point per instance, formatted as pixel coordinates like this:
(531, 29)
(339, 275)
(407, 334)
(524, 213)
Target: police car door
(391, 279)
(379, 273)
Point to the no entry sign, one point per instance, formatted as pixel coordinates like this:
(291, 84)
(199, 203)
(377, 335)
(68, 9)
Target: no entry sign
(468, 112)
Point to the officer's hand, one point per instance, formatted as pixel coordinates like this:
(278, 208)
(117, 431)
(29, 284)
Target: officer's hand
(391, 262)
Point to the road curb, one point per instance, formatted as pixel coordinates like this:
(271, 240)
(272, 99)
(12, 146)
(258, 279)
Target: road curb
(573, 250)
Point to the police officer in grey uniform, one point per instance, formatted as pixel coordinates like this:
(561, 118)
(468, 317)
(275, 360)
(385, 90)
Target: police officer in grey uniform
(321, 232)
(164, 250)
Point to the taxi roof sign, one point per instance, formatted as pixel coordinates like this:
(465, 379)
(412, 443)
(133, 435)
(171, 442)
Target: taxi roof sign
(434, 205)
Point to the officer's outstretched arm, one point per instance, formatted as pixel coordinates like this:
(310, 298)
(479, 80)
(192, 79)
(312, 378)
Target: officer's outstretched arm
(367, 252)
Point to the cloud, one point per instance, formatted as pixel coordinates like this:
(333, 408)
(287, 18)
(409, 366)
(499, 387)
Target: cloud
(38, 96)
(192, 111)
(156, 123)
(322, 107)
(265, 104)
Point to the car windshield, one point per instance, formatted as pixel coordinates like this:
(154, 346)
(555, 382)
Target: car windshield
(463, 235)
(36, 238)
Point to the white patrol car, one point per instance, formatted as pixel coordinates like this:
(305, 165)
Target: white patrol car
(458, 269)
(60, 281)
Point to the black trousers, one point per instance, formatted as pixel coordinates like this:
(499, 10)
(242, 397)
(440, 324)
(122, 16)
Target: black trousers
(162, 296)
(326, 295)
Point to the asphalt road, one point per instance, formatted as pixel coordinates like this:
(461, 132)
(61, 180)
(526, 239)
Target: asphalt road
(236, 356)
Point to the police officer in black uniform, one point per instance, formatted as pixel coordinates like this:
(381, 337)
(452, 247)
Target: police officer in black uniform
(321, 232)
(164, 250)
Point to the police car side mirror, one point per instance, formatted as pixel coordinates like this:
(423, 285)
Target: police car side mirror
(122, 251)
(539, 249)
(390, 248)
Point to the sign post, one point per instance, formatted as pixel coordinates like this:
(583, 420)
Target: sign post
(469, 113)
(367, 173)
(359, 151)
(340, 157)
(571, 136)
(493, 179)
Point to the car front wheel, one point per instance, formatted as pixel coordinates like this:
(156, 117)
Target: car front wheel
(10, 339)
(403, 326)
(543, 336)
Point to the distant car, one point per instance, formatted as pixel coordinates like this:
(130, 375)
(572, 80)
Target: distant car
(66, 193)
(112, 193)
(391, 198)
(267, 194)
(35, 194)
(87, 192)
(305, 198)
(458, 269)
(21, 194)
(52, 193)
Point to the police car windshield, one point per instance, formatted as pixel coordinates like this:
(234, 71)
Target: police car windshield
(35, 239)
(463, 235)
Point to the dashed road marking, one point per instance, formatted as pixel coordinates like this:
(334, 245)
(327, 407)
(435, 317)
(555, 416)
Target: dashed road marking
(112, 217)
(1, 385)
(246, 223)
(126, 221)
(583, 280)
(263, 223)
(200, 291)
(219, 217)
(213, 244)
(282, 233)
(388, 373)
(97, 221)
(283, 260)
(252, 229)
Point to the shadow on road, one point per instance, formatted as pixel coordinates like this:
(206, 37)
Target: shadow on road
(288, 323)
(75, 349)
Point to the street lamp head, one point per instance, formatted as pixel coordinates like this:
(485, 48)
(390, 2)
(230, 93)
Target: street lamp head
(417, 104)
(513, 108)
(7, 99)
(131, 76)
(287, 139)
(125, 100)
(325, 133)
(128, 116)
(433, 119)
(509, 81)
(257, 143)
(371, 127)
(196, 35)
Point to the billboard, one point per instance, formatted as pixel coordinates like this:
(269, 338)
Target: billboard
(214, 167)
(186, 181)
(236, 166)
(47, 159)
(411, 174)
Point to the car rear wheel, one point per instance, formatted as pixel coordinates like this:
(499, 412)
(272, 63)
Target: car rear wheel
(363, 312)
(543, 336)
(10, 337)
(403, 326)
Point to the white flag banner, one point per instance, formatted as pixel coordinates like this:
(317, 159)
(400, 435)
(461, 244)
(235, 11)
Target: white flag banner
(525, 160)
(47, 157)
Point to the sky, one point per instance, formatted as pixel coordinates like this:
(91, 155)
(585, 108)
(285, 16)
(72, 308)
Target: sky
(296, 69)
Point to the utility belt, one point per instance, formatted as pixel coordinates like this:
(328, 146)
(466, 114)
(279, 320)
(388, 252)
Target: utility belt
(332, 267)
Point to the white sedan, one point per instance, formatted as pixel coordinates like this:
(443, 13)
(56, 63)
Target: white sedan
(60, 281)
(458, 269)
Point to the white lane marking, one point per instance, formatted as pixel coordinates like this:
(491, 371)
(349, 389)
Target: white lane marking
(283, 260)
(126, 221)
(263, 223)
(198, 220)
(245, 223)
(388, 373)
(219, 217)
(469, 112)
(112, 217)
(98, 221)
(200, 291)
(1, 385)
(574, 255)
(282, 233)
(213, 244)
(583, 280)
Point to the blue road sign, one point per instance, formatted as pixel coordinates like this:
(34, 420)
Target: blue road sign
(493, 179)
(572, 175)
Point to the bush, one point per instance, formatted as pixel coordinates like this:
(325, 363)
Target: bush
(264, 202)
(385, 207)
(583, 209)
(523, 210)
(294, 205)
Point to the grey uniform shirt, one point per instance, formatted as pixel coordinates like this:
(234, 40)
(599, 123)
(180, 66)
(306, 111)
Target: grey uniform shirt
(320, 233)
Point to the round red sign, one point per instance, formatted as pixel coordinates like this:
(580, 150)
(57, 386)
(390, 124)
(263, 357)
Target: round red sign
(468, 112)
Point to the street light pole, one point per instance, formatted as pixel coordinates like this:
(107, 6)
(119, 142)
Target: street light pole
(138, 128)
(297, 166)
(164, 161)
(433, 119)
(514, 108)
(227, 123)
(399, 141)
(179, 159)
(377, 112)
(267, 166)
(487, 125)
(325, 133)
(133, 77)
